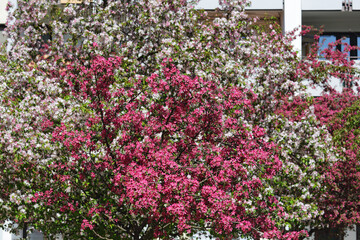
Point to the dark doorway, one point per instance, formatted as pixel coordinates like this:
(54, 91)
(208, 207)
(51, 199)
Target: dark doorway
(329, 234)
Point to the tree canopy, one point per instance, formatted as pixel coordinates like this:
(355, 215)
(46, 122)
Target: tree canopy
(144, 119)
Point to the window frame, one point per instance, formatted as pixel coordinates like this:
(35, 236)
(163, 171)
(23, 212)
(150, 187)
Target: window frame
(353, 38)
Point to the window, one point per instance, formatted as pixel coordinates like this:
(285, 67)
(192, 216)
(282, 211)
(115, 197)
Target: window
(324, 42)
(2, 37)
(353, 39)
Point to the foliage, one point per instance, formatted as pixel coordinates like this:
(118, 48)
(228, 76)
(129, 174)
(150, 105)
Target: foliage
(138, 119)
(340, 113)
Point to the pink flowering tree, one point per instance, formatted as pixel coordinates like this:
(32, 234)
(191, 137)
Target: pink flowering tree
(337, 111)
(143, 120)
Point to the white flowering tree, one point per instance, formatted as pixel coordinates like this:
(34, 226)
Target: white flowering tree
(144, 119)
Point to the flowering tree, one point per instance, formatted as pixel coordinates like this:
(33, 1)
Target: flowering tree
(339, 112)
(140, 119)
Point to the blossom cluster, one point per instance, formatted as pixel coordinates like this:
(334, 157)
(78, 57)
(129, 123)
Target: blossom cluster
(143, 119)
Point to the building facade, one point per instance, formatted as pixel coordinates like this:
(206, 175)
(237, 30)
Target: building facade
(339, 19)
